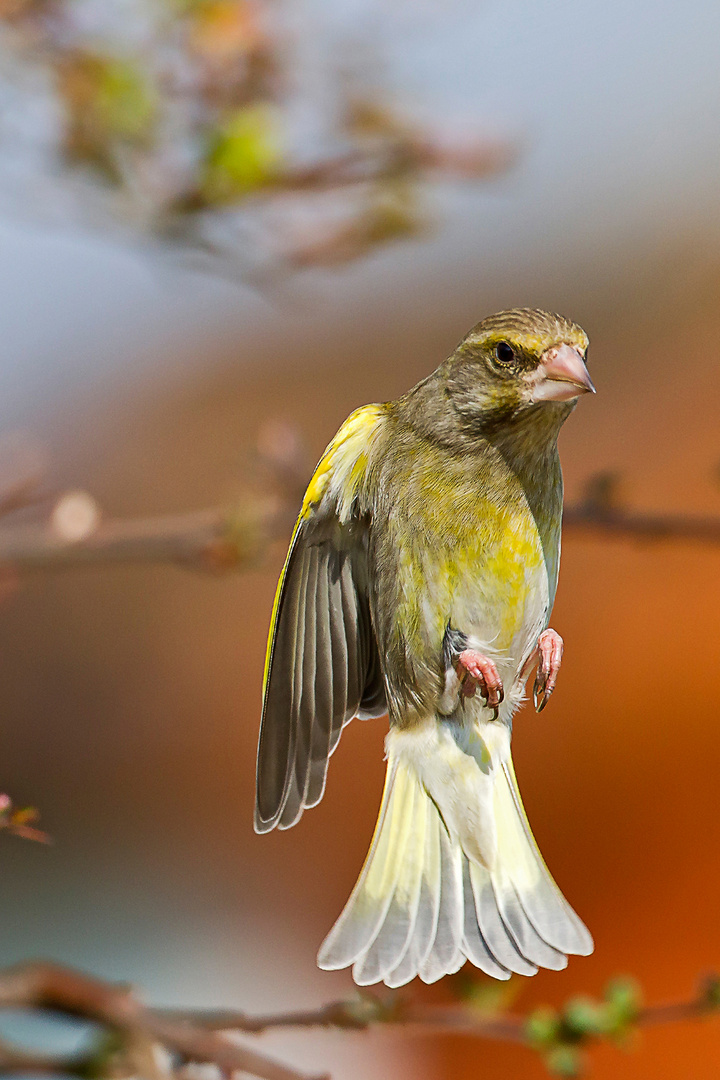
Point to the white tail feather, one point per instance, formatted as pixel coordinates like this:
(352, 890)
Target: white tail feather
(453, 871)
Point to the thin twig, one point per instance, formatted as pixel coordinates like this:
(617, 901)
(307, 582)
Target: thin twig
(641, 526)
(674, 1012)
(456, 1019)
(205, 540)
(341, 1014)
(477, 158)
(358, 1014)
(600, 510)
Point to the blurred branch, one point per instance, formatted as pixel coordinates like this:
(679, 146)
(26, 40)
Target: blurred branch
(211, 540)
(215, 540)
(138, 1031)
(133, 1033)
(401, 150)
(600, 510)
(234, 538)
(467, 1018)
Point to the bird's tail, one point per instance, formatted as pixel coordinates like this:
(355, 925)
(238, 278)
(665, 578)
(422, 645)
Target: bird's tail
(453, 871)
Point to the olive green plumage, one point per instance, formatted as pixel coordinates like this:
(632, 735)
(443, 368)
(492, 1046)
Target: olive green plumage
(431, 524)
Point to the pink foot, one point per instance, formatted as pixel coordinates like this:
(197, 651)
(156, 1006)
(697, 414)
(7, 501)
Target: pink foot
(550, 647)
(477, 672)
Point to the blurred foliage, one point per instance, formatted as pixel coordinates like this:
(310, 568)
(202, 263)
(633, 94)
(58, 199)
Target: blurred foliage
(21, 821)
(179, 111)
(245, 154)
(562, 1035)
(108, 102)
(484, 995)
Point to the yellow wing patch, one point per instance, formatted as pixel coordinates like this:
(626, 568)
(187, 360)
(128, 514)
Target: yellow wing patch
(343, 464)
(339, 472)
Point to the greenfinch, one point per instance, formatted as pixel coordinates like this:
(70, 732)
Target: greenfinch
(419, 582)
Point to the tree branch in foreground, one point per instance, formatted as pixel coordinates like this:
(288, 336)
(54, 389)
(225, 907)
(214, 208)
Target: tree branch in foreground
(156, 1043)
(137, 1030)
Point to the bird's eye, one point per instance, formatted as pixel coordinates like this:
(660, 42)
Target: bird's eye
(504, 353)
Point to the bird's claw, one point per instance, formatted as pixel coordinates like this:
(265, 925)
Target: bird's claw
(478, 672)
(550, 647)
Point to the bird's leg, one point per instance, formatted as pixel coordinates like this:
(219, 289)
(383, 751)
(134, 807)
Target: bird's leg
(550, 648)
(478, 672)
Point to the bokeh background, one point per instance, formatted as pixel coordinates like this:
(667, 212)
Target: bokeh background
(130, 695)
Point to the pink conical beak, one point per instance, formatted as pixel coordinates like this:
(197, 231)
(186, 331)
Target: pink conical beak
(562, 375)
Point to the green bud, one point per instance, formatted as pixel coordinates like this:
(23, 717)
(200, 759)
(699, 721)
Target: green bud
(126, 101)
(244, 154)
(710, 991)
(564, 1061)
(623, 1000)
(583, 1017)
(542, 1027)
(366, 1009)
(483, 994)
(624, 995)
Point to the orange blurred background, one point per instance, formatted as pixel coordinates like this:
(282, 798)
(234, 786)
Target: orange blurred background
(131, 702)
(131, 695)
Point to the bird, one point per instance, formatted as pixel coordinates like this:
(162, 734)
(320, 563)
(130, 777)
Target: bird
(419, 583)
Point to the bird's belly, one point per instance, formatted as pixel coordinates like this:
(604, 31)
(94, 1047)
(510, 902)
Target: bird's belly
(503, 627)
(476, 566)
(500, 599)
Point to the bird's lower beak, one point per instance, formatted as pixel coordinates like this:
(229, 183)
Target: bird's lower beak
(561, 375)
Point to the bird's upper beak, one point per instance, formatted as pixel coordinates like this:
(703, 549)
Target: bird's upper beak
(561, 375)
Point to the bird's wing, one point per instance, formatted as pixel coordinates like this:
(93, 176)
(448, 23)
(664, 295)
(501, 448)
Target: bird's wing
(322, 666)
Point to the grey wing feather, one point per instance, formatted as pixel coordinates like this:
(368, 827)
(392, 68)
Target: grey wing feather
(324, 669)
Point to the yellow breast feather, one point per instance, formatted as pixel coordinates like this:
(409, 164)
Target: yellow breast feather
(474, 555)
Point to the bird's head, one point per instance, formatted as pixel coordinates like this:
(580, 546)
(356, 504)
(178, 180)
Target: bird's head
(518, 362)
